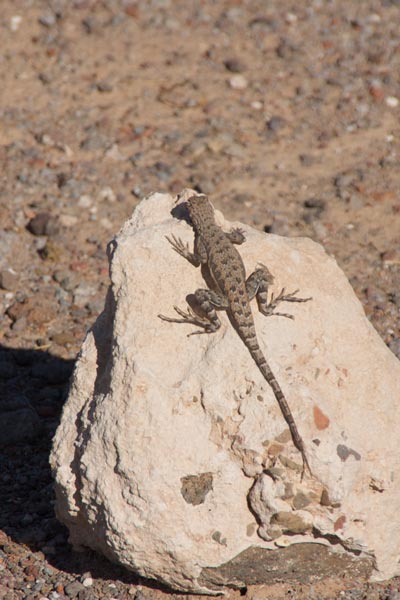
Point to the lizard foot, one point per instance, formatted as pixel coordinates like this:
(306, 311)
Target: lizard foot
(269, 309)
(192, 318)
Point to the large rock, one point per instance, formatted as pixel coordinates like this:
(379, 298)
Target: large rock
(172, 456)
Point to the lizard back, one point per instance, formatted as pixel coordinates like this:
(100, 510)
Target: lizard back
(215, 249)
(225, 265)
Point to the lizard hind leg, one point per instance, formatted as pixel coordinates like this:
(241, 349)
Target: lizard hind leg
(257, 284)
(203, 313)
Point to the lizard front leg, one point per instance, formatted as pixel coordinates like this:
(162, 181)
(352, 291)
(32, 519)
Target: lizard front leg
(257, 284)
(204, 314)
(183, 249)
(236, 236)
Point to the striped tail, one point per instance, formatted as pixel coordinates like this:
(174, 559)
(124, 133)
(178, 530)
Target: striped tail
(259, 359)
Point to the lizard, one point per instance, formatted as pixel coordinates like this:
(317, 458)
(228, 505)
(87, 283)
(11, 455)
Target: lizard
(214, 249)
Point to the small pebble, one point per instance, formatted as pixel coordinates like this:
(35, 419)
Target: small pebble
(8, 279)
(44, 78)
(238, 82)
(107, 194)
(276, 123)
(104, 86)
(234, 65)
(343, 181)
(392, 101)
(38, 225)
(73, 588)
(89, 24)
(106, 223)
(15, 22)
(290, 18)
(20, 324)
(63, 338)
(68, 220)
(114, 153)
(320, 230)
(314, 203)
(85, 201)
(48, 20)
(306, 160)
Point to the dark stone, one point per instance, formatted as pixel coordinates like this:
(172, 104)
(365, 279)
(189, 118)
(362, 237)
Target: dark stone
(315, 207)
(234, 65)
(299, 563)
(314, 203)
(38, 224)
(286, 49)
(62, 179)
(104, 86)
(276, 123)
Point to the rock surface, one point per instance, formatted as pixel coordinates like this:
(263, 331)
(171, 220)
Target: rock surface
(172, 457)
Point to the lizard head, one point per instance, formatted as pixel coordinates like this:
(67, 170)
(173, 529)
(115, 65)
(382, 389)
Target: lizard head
(200, 210)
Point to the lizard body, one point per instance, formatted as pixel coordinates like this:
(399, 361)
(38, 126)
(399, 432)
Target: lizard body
(215, 249)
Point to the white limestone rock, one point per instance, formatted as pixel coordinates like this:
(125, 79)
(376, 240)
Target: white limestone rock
(172, 457)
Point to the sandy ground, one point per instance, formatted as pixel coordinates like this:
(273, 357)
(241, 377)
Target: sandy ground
(285, 113)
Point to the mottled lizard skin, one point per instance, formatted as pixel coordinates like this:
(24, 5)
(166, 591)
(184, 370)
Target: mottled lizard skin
(233, 293)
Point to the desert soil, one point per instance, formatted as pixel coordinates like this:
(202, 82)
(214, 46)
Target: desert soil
(285, 113)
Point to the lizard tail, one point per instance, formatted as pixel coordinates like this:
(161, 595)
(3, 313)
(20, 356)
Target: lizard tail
(268, 375)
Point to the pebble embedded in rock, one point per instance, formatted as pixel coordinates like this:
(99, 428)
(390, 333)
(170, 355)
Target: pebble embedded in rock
(300, 500)
(291, 522)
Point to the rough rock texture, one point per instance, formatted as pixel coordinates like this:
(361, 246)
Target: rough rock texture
(172, 456)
